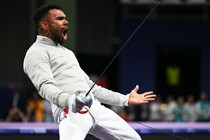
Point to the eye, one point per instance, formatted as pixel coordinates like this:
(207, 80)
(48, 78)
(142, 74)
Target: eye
(60, 18)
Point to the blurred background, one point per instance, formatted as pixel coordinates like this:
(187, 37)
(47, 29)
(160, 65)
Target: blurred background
(169, 55)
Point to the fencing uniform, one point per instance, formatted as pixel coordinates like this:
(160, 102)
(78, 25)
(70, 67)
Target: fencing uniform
(57, 75)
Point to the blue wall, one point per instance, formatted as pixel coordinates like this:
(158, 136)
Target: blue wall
(137, 60)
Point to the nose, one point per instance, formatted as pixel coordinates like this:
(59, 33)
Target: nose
(66, 22)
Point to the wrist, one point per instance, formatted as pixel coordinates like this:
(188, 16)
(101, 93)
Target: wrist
(126, 100)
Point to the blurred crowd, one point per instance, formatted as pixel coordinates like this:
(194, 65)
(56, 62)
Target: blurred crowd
(23, 104)
(28, 106)
(178, 109)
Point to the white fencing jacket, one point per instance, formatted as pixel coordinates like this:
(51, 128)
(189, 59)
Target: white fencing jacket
(56, 74)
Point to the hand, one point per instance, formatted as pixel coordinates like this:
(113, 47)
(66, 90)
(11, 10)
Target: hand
(136, 99)
(80, 102)
(83, 100)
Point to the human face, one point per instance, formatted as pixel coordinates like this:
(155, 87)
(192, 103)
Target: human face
(57, 26)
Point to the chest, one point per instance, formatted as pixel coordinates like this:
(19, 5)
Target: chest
(62, 58)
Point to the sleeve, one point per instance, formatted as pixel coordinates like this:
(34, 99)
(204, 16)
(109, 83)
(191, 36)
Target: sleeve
(107, 96)
(37, 66)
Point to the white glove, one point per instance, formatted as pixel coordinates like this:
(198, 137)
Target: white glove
(80, 102)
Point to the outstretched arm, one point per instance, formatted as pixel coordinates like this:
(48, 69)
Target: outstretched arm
(135, 98)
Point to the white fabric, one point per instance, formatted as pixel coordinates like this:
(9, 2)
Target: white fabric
(100, 122)
(56, 73)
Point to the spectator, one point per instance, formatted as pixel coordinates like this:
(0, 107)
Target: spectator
(142, 112)
(16, 98)
(169, 112)
(181, 114)
(191, 107)
(35, 108)
(203, 108)
(156, 113)
(47, 111)
(15, 115)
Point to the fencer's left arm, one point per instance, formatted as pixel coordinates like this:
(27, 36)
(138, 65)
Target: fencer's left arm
(107, 96)
(117, 99)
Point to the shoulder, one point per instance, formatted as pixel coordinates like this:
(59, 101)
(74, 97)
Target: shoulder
(35, 48)
(35, 51)
(35, 55)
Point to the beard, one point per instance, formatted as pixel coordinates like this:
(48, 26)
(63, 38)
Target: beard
(57, 40)
(57, 36)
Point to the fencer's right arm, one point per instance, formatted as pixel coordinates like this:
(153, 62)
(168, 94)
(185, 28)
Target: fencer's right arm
(36, 66)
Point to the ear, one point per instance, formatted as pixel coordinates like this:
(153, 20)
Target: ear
(44, 25)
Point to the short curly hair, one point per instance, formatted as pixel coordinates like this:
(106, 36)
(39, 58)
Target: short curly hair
(42, 11)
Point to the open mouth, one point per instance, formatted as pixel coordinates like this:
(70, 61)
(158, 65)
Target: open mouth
(65, 30)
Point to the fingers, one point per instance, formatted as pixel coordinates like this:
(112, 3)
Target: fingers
(148, 93)
(136, 88)
(149, 99)
(149, 96)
